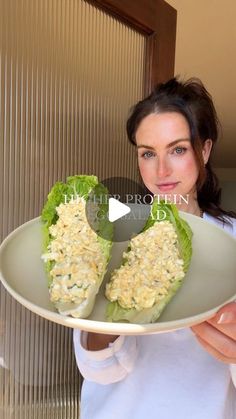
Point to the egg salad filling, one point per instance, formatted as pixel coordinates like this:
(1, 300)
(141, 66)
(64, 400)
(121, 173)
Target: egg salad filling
(78, 262)
(152, 265)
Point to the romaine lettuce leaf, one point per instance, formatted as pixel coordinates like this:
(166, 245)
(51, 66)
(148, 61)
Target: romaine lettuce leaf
(83, 186)
(114, 311)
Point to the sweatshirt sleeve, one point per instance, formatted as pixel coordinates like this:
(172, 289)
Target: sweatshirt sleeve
(233, 373)
(233, 366)
(108, 365)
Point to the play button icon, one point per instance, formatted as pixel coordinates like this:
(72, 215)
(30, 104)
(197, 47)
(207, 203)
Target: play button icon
(121, 207)
(117, 210)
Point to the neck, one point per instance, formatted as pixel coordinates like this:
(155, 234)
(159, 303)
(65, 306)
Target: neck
(191, 207)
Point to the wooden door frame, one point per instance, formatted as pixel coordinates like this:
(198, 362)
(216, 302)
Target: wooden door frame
(157, 20)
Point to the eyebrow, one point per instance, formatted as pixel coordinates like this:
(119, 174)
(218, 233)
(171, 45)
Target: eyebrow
(168, 146)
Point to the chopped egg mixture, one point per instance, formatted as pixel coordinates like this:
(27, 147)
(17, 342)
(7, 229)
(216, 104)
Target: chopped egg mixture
(76, 251)
(151, 267)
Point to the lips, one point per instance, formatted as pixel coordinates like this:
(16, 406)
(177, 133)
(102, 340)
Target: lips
(164, 187)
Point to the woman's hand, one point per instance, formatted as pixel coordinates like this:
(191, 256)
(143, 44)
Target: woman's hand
(218, 335)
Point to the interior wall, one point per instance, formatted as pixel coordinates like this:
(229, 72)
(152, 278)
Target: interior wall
(206, 48)
(228, 195)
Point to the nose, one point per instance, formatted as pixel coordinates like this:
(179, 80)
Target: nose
(163, 168)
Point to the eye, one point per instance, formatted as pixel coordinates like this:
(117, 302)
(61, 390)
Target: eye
(180, 150)
(147, 154)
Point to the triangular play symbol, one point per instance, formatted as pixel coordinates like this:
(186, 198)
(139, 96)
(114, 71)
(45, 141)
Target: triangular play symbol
(116, 209)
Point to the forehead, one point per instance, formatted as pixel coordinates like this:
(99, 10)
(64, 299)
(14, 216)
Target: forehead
(167, 126)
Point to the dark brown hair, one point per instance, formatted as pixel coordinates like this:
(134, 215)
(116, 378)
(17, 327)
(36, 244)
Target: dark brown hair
(191, 99)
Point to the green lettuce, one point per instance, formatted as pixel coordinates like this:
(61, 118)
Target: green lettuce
(114, 312)
(91, 189)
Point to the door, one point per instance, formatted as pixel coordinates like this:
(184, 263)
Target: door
(70, 70)
(156, 20)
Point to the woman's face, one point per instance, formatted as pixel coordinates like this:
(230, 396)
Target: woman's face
(166, 158)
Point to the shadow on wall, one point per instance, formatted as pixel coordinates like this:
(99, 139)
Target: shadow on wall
(228, 195)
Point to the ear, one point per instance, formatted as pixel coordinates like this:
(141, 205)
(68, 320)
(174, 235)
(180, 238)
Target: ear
(206, 150)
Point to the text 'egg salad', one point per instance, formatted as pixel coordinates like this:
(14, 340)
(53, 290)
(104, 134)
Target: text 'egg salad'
(151, 266)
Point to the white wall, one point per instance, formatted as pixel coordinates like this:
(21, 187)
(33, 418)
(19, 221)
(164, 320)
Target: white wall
(206, 48)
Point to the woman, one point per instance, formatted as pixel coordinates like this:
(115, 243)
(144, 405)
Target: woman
(187, 373)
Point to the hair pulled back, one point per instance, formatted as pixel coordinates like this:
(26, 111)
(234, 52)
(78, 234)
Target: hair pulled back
(192, 100)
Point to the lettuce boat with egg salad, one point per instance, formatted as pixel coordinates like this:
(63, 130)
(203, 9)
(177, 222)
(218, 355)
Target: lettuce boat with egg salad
(153, 268)
(76, 257)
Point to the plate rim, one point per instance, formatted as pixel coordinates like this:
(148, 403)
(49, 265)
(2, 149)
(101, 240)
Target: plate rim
(105, 327)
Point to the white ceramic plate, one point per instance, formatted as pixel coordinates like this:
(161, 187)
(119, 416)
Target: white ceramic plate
(209, 283)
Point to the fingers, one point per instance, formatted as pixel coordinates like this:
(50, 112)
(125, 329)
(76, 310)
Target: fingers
(227, 329)
(217, 340)
(218, 355)
(218, 334)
